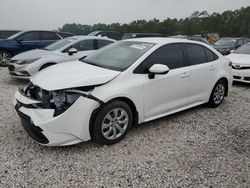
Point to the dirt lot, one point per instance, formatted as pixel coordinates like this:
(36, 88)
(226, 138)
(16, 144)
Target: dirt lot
(201, 147)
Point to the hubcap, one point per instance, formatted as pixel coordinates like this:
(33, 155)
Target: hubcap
(4, 58)
(219, 93)
(115, 123)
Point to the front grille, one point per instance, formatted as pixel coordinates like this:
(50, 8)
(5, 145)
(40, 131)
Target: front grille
(11, 67)
(247, 78)
(33, 131)
(241, 68)
(237, 77)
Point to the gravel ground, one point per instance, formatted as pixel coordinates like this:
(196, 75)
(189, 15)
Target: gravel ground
(201, 147)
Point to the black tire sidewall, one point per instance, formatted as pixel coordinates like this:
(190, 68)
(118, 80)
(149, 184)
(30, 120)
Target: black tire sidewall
(97, 132)
(211, 100)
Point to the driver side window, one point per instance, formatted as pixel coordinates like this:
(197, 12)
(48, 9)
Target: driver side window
(170, 55)
(83, 45)
(31, 36)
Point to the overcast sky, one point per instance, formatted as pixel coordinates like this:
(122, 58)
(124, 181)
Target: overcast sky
(51, 14)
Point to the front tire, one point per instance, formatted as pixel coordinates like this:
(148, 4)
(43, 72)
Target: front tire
(218, 94)
(112, 123)
(5, 58)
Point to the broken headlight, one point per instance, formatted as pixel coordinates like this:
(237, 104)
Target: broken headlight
(62, 100)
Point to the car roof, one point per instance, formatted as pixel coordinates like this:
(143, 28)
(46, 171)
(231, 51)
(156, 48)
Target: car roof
(82, 37)
(163, 40)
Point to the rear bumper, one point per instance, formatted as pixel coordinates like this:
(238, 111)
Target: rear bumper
(241, 75)
(69, 128)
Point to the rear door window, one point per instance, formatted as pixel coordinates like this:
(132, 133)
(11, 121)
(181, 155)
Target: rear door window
(195, 54)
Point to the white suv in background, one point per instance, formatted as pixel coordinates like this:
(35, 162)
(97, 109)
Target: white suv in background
(128, 82)
(28, 63)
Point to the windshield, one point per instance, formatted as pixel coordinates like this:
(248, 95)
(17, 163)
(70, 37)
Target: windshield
(225, 42)
(118, 56)
(59, 44)
(243, 49)
(16, 35)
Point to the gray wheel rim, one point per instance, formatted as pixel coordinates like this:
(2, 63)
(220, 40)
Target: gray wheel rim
(219, 93)
(115, 123)
(4, 58)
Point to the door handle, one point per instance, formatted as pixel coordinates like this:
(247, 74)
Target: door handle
(185, 74)
(212, 67)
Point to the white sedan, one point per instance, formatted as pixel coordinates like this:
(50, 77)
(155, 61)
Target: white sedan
(241, 63)
(28, 63)
(126, 83)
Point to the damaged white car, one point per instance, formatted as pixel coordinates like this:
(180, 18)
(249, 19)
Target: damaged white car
(133, 81)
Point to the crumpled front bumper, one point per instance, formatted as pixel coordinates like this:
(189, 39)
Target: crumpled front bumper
(69, 128)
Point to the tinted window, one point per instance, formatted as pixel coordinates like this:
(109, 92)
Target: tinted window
(170, 55)
(84, 45)
(102, 43)
(49, 36)
(240, 42)
(195, 54)
(211, 56)
(29, 36)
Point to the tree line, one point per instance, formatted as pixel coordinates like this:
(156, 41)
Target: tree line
(227, 24)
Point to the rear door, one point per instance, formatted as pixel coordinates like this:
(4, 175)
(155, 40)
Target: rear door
(168, 92)
(203, 66)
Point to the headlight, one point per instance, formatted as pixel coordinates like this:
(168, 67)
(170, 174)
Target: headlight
(62, 100)
(29, 61)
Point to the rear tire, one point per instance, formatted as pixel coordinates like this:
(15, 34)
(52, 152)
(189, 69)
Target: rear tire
(5, 57)
(218, 94)
(112, 123)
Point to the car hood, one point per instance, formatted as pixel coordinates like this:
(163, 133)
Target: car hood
(242, 59)
(72, 74)
(32, 54)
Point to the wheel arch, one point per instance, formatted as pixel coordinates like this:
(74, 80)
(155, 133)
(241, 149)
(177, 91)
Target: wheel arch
(224, 79)
(126, 100)
(47, 65)
(3, 49)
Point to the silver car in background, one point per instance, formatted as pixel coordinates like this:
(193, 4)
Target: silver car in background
(29, 63)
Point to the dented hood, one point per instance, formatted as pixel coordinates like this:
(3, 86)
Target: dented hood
(71, 75)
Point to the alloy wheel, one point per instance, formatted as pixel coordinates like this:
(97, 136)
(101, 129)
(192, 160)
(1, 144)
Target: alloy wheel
(219, 93)
(115, 123)
(4, 58)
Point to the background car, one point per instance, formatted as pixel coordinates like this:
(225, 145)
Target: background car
(140, 35)
(241, 63)
(28, 63)
(110, 34)
(225, 45)
(27, 40)
(125, 83)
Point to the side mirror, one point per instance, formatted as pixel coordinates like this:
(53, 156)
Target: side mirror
(72, 51)
(19, 41)
(157, 69)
